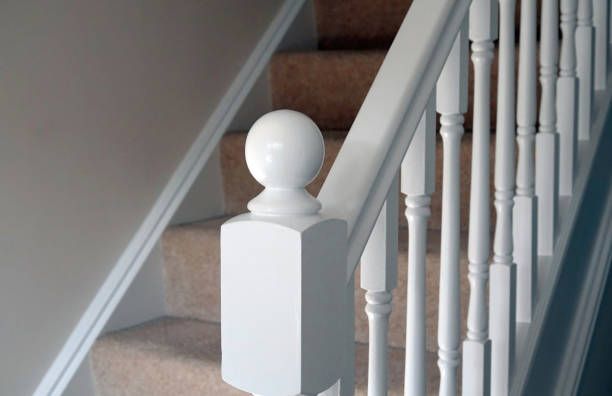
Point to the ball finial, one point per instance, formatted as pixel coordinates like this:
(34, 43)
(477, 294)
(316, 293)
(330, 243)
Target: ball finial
(284, 152)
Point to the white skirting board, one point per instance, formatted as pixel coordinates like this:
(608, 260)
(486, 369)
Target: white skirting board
(121, 276)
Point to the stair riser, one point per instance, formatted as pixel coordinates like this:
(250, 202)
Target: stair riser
(355, 24)
(240, 187)
(330, 86)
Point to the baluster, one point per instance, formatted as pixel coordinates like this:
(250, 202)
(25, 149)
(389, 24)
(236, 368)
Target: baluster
(451, 103)
(379, 278)
(525, 202)
(584, 67)
(477, 346)
(503, 270)
(600, 21)
(567, 88)
(418, 183)
(547, 139)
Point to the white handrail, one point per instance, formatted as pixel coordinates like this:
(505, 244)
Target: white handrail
(378, 139)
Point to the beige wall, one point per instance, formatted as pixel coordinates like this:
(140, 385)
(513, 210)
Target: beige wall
(99, 101)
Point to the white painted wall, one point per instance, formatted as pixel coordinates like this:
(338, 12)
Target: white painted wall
(99, 101)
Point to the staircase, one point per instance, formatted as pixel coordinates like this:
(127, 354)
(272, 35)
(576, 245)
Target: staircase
(180, 354)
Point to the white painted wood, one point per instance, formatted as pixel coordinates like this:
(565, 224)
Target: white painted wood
(600, 22)
(347, 380)
(567, 94)
(502, 298)
(451, 103)
(547, 139)
(379, 278)
(129, 263)
(284, 163)
(524, 219)
(477, 346)
(418, 183)
(288, 260)
(392, 108)
(585, 41)
(345, 386)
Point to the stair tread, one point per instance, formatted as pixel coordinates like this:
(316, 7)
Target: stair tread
(192, 279)
(181, 357)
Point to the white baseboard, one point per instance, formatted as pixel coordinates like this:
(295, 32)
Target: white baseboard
(121, 276)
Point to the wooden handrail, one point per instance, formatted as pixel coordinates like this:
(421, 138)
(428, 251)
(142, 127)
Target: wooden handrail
(378, 139)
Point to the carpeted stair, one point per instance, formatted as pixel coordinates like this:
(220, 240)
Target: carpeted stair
(180, 354)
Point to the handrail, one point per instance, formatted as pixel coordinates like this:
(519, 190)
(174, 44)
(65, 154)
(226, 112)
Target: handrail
(382, 131)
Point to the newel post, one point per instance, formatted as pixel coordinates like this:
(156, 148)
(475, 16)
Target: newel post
(283, 270)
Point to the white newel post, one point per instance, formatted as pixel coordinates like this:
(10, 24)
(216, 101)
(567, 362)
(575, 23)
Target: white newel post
(600, 21)
(567, 94)
(379, 278)
(547, 139)
(502, 297)
(524, 221)
(585, 36)
(283, 270)
(451, 103)
(477, 346)
(418, 183)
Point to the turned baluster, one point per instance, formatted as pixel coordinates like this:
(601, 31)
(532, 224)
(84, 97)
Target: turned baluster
(418, 183)
(567, 93)
(451, 103)
(547, 138)
(477, 346)
(524, 219)
(585, 36)
(379, 278)
(503, 271)
(600, 22)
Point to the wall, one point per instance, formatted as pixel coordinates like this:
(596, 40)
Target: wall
(99, 101)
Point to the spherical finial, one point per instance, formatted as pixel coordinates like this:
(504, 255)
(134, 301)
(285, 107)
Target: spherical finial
(284, 152)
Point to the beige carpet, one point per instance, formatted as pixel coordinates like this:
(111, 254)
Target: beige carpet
(182, 357)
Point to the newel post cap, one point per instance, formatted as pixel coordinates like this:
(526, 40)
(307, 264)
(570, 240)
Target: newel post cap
(284, 152)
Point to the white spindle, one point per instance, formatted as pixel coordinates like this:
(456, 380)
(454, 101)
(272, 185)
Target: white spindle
(567, 93)
(584, 67)
(379, 278)
(503, 270)
(547, 139)
(418, 183)
(525, 203)
(451, 103)
(477, 346)
(600, 21)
